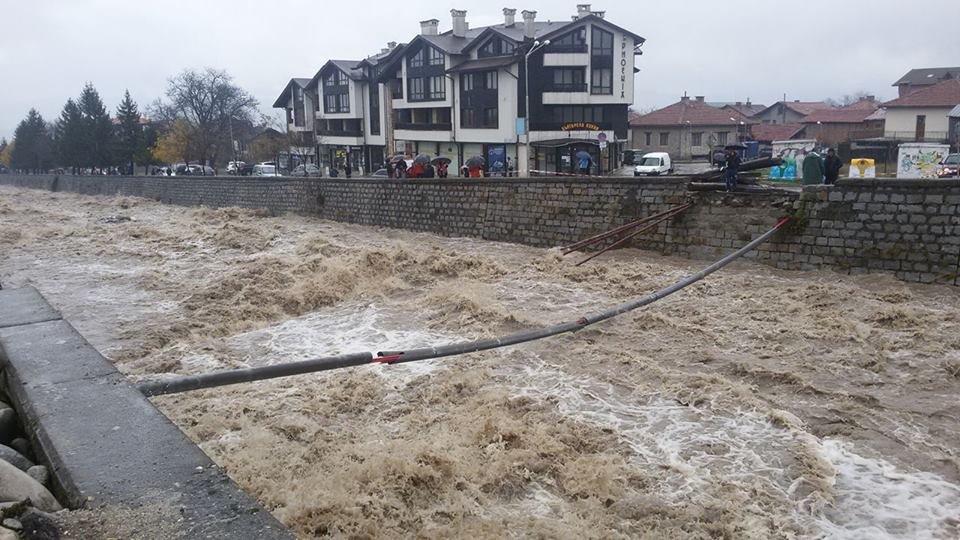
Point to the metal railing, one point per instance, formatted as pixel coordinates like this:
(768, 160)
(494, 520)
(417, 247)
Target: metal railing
(417, 126)
(565, 87)
(911, 136)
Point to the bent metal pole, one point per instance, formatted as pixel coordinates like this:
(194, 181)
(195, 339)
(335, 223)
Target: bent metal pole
(187, 383)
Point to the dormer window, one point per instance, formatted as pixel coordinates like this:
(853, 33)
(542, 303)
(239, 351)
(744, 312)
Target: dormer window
(601, 43)
(337, 78)
(435, 57)
(427, 55)
(417, 59)
(496, 47)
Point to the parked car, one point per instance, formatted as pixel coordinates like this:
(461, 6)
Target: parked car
(306, 170)
(949, 167)
(381, 173)
(654, 164)
(247, 169)
(234, 167)
(265, 169)
(632, 157)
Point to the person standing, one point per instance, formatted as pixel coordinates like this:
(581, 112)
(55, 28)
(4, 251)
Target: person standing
(731, 168)
(585, 163)
(812, 169)
(831, 167)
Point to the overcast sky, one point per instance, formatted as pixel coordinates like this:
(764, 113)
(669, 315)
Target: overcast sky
(726, 50)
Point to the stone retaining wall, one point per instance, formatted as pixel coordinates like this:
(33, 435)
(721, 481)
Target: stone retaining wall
(908, 228)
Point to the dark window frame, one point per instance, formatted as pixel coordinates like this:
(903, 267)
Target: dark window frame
(601, 49)
(598, 88)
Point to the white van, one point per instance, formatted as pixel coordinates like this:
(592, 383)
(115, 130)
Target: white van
(653, 164)
(265, 169)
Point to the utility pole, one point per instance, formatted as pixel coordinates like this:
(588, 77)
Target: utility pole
(525, 162)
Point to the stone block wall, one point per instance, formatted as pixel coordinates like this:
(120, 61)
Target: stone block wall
(905, 227)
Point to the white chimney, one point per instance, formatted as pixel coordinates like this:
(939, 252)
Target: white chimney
(459, 17)
(583, 10)
(391, 45)
(599, 14)
(508, 16)
(529, 23)
(429, 27)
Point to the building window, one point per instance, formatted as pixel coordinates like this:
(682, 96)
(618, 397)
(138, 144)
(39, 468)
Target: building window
(478, 81)
(696, 139)
(566, 80)
(490, 117)
(496, 47)
(722, 137)
(575, 113)
(416, 60)
(491, 80)
(396, 88)
(344, 102)
(330, 103)
(575, 41)
(374, 108)
(299, 114)
(468, 118)
(602, 82)
(601, 43)
(466, 82)
(435, 57)
(664, 139)
(648, 136)
(415, 89)
(438, 88)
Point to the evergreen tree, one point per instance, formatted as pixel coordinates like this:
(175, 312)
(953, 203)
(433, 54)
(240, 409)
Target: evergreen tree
(34, 149)
(129, 136)
(69, 136)
(97, 129)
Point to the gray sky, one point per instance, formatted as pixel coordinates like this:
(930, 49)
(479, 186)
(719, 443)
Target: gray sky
(725, 50)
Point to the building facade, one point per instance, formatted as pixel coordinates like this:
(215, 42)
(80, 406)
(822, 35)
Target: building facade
(923, 115)
(688, 129)
(462, 94)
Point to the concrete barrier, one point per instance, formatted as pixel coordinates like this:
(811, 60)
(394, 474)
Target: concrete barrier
(104, 443)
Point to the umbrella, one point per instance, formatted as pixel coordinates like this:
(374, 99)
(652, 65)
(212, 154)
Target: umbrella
(583, 154)
(441, 159)
(475, 161)
(422, 159)
(398, 158)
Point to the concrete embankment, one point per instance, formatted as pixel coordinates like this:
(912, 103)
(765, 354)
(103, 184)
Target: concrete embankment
(909, 228)
(107, 447)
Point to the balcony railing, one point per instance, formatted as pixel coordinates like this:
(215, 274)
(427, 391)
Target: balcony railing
(911, 136)
(564, 48)
(417, 126)
(340, 132)
(565, 87)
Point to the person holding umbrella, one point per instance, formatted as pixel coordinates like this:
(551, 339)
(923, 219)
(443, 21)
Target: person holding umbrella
(441, 163)
(584, 162)
(475, 166)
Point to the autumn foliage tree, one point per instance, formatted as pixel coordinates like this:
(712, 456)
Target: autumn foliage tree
(175, 144)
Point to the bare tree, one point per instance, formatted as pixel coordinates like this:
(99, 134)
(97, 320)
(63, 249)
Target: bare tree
(848, 99)
(211, 104)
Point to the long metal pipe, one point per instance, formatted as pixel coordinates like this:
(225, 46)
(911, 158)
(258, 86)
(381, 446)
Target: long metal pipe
(196, 382)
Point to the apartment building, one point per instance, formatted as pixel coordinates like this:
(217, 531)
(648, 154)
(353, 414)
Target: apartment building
(462, 93)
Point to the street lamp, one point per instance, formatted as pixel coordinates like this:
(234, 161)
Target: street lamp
(526, 91)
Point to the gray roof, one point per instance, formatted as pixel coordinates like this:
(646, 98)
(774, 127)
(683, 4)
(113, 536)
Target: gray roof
(483, 64)
(955, 113)
(281, 102)
(928, 76)
(350, 67)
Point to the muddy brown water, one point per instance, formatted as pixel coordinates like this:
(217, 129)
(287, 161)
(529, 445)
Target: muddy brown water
(755, 404)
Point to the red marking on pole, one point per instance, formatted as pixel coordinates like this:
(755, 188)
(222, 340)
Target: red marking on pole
(387, 359)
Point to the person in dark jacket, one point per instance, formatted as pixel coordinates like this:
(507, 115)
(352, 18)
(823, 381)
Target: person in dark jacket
(831, 167)
(732, 166)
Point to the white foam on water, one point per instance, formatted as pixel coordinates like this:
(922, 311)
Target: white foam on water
(877, 501)
(346, 328)
(873, 500)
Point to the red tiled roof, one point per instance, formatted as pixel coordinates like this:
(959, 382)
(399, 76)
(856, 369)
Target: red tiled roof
(838, 116)
(692, 112)
(944, 94)
(776, 132)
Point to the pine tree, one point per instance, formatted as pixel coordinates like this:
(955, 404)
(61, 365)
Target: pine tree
(98, 129)
(69, 136)
(129, 136)
(34, 149)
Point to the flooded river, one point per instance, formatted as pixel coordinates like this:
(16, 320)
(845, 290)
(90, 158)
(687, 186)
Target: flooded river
(755, 404)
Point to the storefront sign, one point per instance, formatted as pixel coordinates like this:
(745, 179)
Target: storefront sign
(623, 65)
(579, 126)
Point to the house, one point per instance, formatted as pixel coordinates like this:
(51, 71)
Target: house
(789, 112)
(688, 128)
(462, 93)
(855, 121)
(299, 104)
(917, 79)
(922, 115)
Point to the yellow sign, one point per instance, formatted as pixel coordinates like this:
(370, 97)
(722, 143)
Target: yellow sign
(580, 126)
(863, 168)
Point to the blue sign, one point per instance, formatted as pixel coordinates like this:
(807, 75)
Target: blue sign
(497, 159)
(521, 126)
